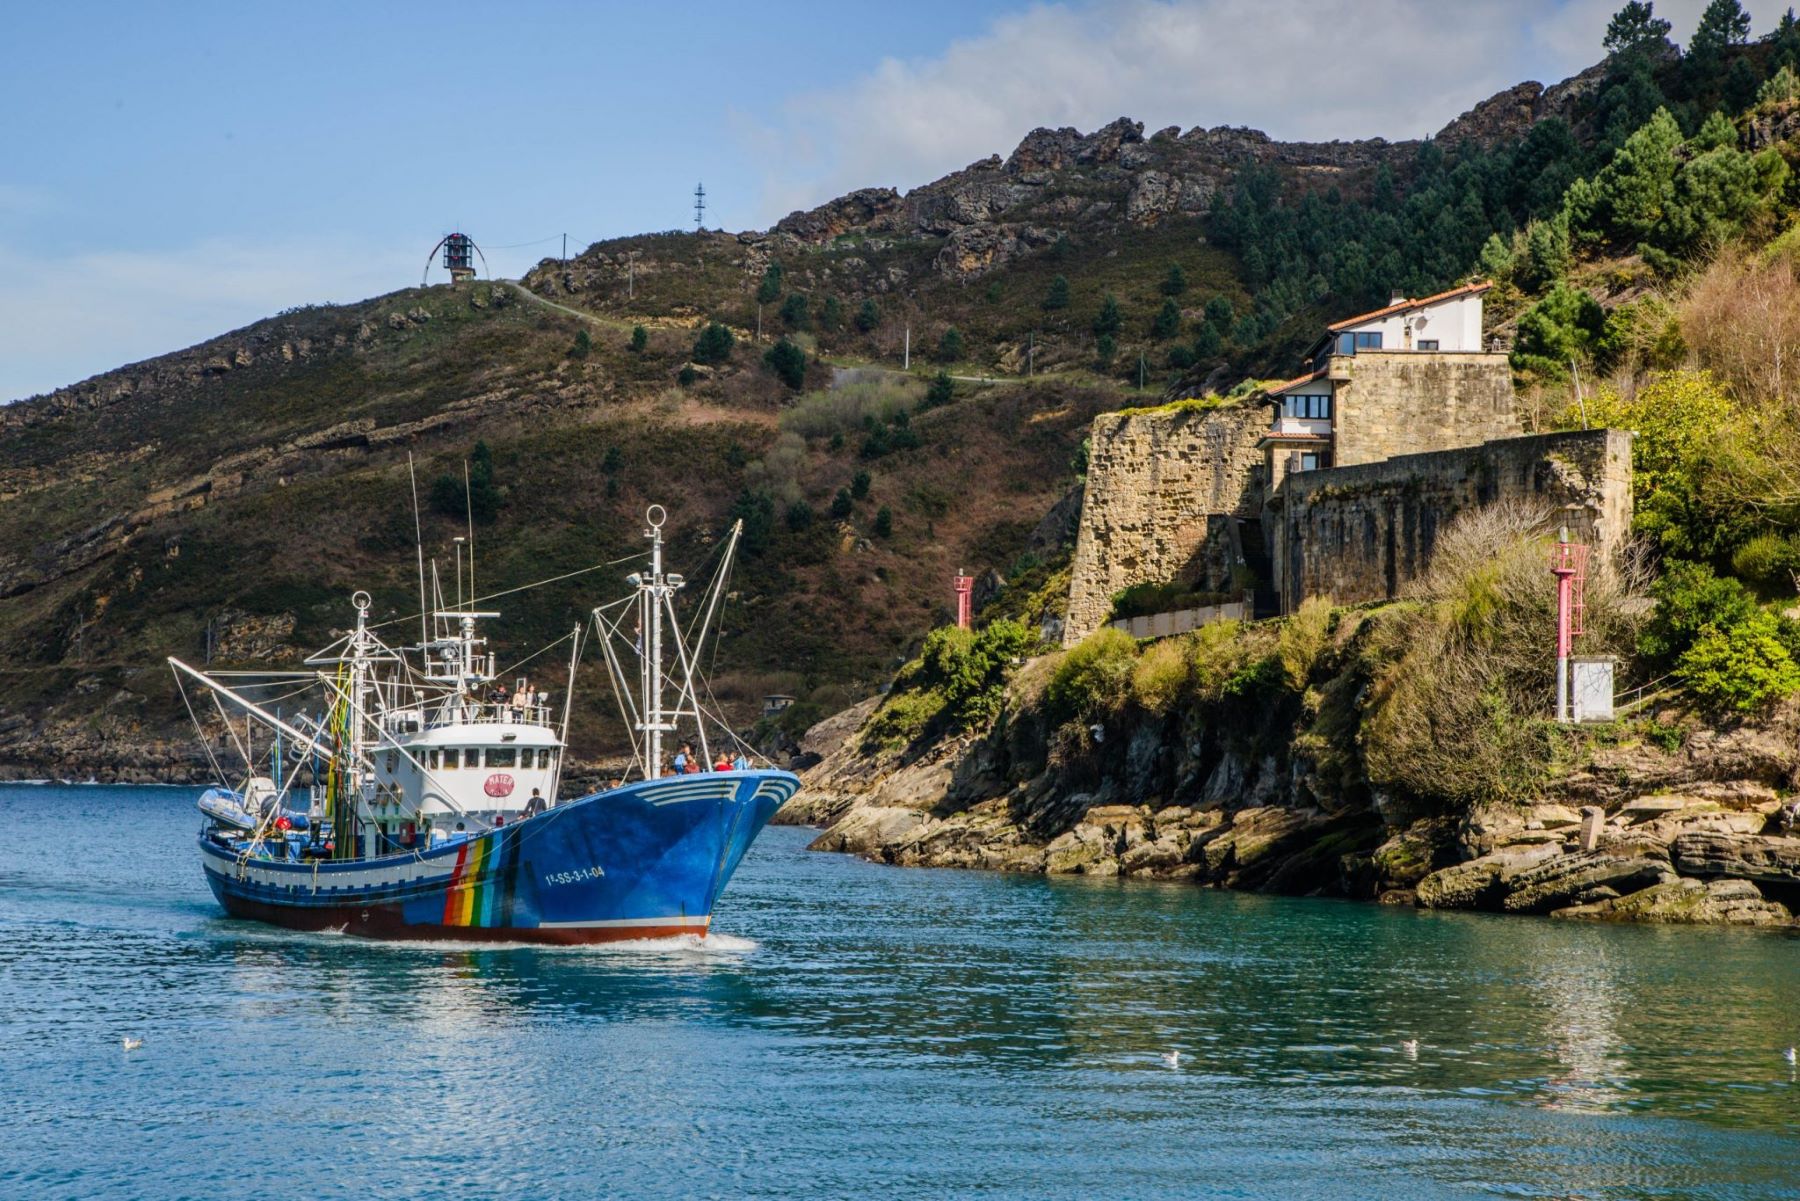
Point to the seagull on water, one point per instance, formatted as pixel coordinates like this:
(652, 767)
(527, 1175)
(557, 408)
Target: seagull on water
(130, 1043)
(1410, 1047)
(1172, 1059)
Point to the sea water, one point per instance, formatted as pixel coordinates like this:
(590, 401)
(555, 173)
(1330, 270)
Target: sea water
(855, 1030)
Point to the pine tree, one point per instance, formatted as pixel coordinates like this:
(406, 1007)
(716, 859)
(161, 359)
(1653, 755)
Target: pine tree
(770, 289)
(788, 362)
(859, 485)
(1167, 323)
(714, 344)
(950, 346)
(795, 312)
(1634, 28)
(1723, 24)
(831, 315)
(941, 392)
(1784, 48)
(1105, 346)
(1108, 320)
(1058, 296)
(868, 316)
(640, 338)
(584, 343)
(1219, 314)
(884, 522)
(1175, 282)
(841, 504)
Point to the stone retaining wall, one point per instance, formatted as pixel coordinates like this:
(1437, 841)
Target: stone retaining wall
(1163, 487)
(1359, 533)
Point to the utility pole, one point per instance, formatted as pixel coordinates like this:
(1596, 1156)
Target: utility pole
(759, 321)
(906, 355)
(565, 248)
(699, 207)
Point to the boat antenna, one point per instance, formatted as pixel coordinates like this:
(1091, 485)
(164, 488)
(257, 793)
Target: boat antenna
(419, 543)
(469, 510)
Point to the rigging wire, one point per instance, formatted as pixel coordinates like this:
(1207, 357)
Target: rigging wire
(568, 575)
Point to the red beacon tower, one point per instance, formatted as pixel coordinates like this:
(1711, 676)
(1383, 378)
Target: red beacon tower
(965, 590)
(460, 253)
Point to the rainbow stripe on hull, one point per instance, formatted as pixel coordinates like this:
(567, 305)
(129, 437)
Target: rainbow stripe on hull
(647, 860)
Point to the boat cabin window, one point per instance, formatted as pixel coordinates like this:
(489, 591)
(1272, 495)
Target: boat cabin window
(501, 756)
(450, 757)
(544, 756)
(433, 760)
(393, 764)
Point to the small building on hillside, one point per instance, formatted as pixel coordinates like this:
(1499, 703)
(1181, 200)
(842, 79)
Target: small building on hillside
(1407, 378)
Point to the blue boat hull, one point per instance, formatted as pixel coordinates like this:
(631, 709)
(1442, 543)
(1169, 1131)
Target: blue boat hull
(647, 860)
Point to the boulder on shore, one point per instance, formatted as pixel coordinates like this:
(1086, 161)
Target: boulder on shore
(1688, 902)
(1741, 856)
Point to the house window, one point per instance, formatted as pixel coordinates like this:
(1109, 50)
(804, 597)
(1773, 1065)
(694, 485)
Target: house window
(1313, 408)
(1369, 341)
(1312, 460)
(1428, 343)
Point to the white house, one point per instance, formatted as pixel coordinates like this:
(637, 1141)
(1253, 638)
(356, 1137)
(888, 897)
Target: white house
(1394, 409)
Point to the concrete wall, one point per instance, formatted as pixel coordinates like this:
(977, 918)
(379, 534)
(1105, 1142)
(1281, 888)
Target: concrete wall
(1181, 621)
(1407, 402)
(1158, 484)
(1360, 533)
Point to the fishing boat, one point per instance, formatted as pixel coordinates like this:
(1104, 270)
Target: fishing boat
(420, 799)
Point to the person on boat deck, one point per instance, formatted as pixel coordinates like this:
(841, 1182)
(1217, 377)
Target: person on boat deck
(535, 805)
(740, 763)
(497, 696)
(683, 757)
(521, 701)
(722, 763)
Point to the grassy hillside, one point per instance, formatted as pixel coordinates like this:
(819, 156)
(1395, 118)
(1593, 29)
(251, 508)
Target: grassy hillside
(250, 485)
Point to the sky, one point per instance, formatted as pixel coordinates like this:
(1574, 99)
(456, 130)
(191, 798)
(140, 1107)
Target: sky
(172, 171)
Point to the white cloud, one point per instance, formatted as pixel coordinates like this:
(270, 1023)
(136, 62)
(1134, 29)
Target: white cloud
(1297, 69)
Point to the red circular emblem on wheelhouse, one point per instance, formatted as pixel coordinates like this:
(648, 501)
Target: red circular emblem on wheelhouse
(498, 785)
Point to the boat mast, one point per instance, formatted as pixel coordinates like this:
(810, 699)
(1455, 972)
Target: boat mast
(653, 594)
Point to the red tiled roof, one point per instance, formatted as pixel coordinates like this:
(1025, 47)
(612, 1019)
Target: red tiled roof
(1480, 285)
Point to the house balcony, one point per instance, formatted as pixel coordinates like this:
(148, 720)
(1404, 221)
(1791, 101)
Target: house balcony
(1300, 427)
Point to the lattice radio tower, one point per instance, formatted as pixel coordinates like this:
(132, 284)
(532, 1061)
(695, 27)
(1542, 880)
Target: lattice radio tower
(699, 207)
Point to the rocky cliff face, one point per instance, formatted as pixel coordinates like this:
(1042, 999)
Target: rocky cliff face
(1636, 833)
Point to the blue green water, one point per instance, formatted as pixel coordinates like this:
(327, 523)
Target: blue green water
(856, 1030)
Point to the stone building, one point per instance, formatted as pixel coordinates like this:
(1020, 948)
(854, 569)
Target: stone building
(1403, 420)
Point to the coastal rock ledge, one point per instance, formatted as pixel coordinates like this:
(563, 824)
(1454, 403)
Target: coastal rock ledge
(1685, 836)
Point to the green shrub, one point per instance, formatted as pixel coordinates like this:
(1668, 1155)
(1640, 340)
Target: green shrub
(841, 504)
(1303, 638)
(1167, 322)
(884, 522)
(941, 392)
(1108, 321)
(1690, 599)
(799, 516)
(868, 316)
(950, 346)
(903, 718)
(859, 485)
(687, 375)
(1094, 675)
(769, 291)
(640, 339)
(795, 313)
(1160, 676)
(972, 668)
(1742, 666)
(714, 344)
(1768, 558)
(822, 413)
(583, 346)
(1175, 282)
(1058, 295)
(788, 362)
